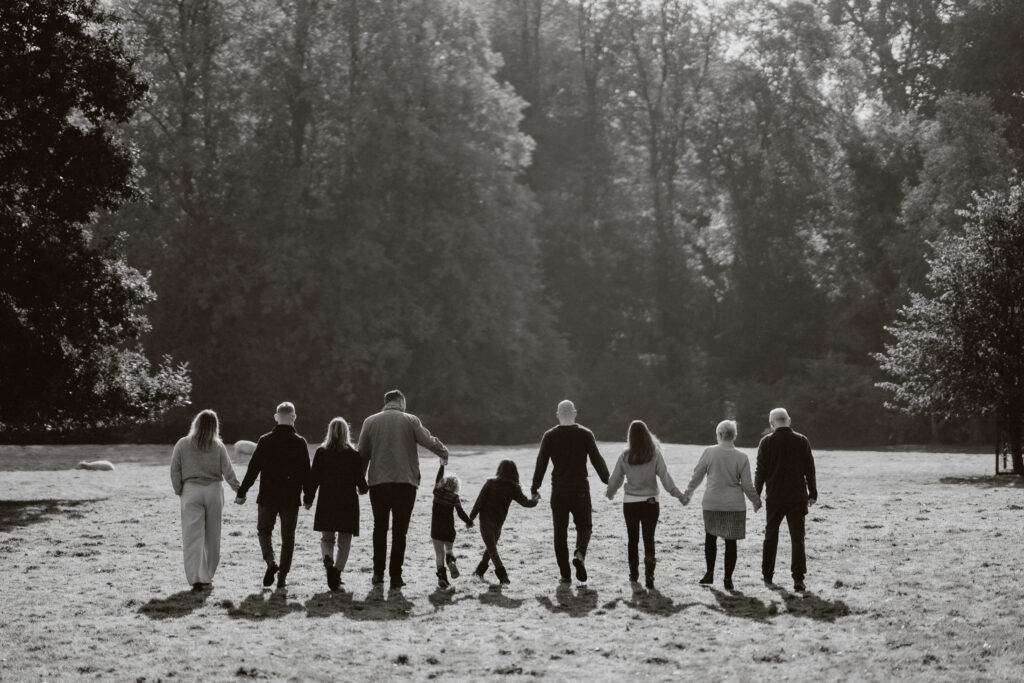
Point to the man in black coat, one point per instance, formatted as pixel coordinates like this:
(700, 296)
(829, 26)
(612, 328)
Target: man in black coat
(786, 467)
(282, 457)
(568, 447)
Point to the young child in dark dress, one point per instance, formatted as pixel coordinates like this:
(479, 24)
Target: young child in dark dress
(492, 505)
(338, 473)
(442, 525)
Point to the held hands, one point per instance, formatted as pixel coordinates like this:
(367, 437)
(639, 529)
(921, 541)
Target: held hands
(535, 496)
(685, 500)
(239, 500)
(308, 506)
(811, 501)
(469, 524)
(757, 505)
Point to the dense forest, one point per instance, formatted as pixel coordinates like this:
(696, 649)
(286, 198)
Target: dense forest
(667, 210)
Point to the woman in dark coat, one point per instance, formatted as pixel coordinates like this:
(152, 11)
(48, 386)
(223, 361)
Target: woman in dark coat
(338, 473)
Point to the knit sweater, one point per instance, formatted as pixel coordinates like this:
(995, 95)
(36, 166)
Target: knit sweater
(728, 473)
(641, 480)
(191, 464)
(568, 448)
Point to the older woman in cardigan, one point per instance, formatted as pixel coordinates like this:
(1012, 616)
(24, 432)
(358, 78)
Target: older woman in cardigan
(727, 470)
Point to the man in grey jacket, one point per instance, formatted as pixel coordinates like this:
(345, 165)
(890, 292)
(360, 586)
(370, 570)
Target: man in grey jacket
(387, 445)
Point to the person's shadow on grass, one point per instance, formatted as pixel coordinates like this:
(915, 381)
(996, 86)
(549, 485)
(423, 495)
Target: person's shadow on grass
(651, 601)
(174, 606)
(263, 605)
(814, 607)
(495, 596)
(737, 604)
(578, 604)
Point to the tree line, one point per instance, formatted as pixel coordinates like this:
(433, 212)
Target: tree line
(679, 211)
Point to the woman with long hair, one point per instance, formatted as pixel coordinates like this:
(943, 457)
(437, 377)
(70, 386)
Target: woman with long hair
(338, 473)
(639, 468)
(199, 462)
(725, 513)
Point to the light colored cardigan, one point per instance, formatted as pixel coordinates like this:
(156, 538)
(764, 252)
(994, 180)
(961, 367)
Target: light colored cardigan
(641, 480)
(728, 472)
(188, 463)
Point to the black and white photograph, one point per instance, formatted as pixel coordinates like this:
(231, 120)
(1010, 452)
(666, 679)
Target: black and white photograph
(465, 340)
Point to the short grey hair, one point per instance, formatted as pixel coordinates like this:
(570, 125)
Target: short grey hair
(778, 417)
(726, 430)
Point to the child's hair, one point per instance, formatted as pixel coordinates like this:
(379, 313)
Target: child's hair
(508, 471)
(205, 429)
(642, 444)
(449, 482)
(338, 435)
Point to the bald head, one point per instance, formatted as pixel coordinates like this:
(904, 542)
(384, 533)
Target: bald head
(566, 413)
(778, 418)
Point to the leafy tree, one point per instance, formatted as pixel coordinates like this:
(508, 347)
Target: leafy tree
(957, 349)
(72, 311)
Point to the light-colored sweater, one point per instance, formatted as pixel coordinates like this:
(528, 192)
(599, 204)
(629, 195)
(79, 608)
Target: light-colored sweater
(387, 445)
(641, 480)
(190, 464)
(728, 473)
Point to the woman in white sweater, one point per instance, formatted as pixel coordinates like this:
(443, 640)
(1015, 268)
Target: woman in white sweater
(199, 463)
(725, 512)
(640, 466)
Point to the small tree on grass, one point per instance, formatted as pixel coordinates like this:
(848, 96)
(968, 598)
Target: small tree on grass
(71, 308)
(959, 351)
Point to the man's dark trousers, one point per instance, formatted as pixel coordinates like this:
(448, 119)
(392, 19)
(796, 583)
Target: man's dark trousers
(794, 514)
(391, 500)
(266, 517)
(577, 504)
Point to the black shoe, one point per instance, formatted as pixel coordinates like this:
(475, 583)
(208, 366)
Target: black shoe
(581, 569)
(799, 586)
(442, 579)
(768, 581)
(634, 577)
(706, 580)
(728, 584)
(197, 587)
(333, 578)
(564, 579)
(502, 576)
(377, 580)
(282, 580)
(268, 577)
(649, 582)
(453, 569)
(396, 582)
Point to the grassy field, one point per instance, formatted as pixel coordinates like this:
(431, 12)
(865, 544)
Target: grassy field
(913, 563)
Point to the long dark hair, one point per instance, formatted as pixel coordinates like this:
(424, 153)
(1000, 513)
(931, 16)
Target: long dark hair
(205, 429)
(642, 444)
(508, 471)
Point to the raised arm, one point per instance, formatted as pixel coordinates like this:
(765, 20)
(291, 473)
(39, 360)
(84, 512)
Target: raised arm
(227, 470)
(543, 456)
(176, 481)
(596, 460)
(616, 479)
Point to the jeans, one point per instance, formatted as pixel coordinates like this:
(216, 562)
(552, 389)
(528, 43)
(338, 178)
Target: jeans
(344, 546)
(266, 518)
(645, 514)
(794, 515)
(201, 506)
(391, 501)
(577, 504)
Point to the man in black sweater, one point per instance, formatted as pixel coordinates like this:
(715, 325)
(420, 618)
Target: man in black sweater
(282, 457)
(568, 446)
(786, 467)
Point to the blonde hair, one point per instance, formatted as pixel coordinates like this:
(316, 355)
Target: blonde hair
(338, 435)
(205, 430)
(726, 430)
(449, 482)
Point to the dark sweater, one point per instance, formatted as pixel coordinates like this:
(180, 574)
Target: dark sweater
(568, 447)
(495, 498)
(786, 467)
(281, 460)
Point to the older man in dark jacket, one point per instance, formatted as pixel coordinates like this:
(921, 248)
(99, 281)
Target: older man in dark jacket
(282, 458)
(786, 467)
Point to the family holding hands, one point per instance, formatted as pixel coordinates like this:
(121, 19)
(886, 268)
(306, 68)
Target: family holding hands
(385, 464)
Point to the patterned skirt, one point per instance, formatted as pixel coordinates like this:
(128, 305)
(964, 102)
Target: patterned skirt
(732, 526)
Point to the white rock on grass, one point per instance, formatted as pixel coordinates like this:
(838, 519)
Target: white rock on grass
(96, 465)
(244, 448)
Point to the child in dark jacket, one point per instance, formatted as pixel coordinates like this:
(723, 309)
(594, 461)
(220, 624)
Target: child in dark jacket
(442, 525)
(492, 505)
